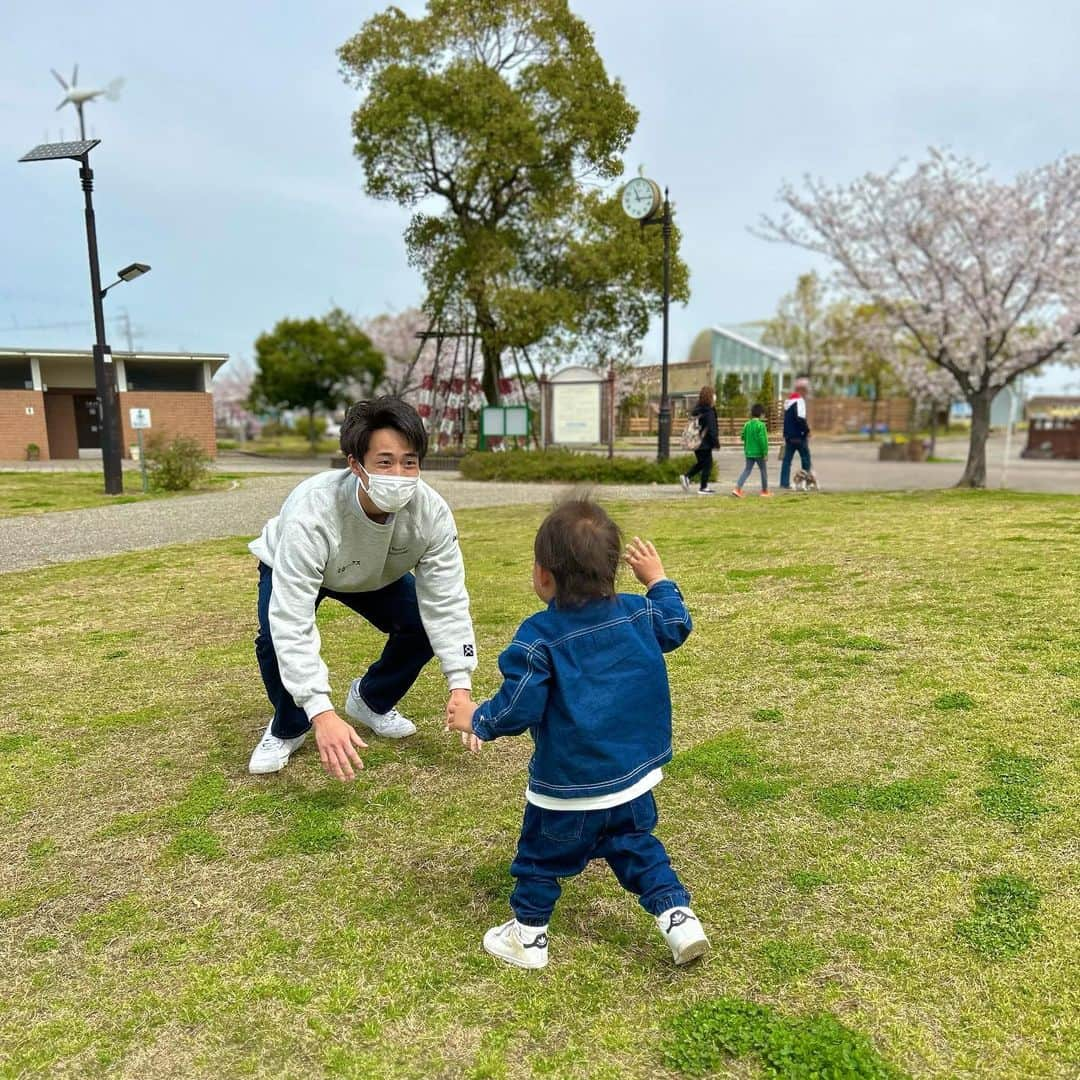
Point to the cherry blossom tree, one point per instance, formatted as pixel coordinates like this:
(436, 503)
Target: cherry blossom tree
(408, 358)
(231, 390)
(983, 276)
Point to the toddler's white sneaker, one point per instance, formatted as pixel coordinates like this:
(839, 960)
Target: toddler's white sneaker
(522, 946)
(683, 933)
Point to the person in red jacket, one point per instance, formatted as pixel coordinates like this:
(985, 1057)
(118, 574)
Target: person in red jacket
(796, 432)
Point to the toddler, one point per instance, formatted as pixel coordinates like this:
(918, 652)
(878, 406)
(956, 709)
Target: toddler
(586, 677)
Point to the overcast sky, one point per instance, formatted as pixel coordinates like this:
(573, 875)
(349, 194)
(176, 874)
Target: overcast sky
(227, 164)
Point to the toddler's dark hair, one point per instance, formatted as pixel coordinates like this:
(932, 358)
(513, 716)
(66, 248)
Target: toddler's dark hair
(580, 546)
(758, 410)
(383, 412)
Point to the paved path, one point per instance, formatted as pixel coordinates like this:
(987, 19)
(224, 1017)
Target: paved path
(44, 539)
(69, 535)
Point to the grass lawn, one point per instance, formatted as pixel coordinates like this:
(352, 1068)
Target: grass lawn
(873, 800)
(38, 493)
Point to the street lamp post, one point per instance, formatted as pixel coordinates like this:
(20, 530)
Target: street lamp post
(104, 372)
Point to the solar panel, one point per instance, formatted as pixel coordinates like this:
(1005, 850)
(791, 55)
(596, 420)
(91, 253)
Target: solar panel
(53, 151)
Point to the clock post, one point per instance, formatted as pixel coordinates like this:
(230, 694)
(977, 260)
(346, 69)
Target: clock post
(663, 439)
(641, 200)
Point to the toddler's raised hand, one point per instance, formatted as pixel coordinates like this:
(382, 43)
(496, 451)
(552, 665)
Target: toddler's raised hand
(642, 558)
(459, 715)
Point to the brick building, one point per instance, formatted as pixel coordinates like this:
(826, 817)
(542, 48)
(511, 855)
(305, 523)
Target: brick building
(48, 398)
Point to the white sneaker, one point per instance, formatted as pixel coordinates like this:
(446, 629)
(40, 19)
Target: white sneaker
(391, 725)
(683, 933)
(706, 491)
(272, 754)
(522, 946)
(685, 481)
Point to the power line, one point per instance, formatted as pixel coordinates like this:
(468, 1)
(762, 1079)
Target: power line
(124, 318)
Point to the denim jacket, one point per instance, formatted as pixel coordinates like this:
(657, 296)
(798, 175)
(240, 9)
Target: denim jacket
(590, 685)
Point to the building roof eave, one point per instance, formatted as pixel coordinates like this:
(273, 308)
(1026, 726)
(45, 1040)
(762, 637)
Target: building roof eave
(779, 357)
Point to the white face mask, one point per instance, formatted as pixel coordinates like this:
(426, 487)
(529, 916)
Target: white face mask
(389, 493)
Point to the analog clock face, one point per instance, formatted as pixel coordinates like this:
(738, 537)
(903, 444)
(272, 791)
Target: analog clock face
(639, 198)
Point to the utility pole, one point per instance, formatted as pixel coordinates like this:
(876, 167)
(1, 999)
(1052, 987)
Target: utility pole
(125, 320)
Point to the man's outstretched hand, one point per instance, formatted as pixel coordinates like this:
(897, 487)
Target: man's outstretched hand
(337, 741)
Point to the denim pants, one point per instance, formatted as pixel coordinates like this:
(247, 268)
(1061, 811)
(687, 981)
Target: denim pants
(750, 463)
(392, 610)
(803, 447)
(560, 844)
(702, 465)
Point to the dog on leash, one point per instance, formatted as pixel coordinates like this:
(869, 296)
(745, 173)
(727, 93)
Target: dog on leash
(805, 480)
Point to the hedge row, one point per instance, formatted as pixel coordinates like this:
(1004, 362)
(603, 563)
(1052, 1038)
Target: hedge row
(565, 466)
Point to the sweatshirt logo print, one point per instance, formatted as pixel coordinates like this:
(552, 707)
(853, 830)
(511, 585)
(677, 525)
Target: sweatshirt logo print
(470, 650)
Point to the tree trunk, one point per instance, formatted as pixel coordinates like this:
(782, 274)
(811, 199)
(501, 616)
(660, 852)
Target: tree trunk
(492, 372)
(873, 415)
(492, 355)
(975, 469)
(313, 435)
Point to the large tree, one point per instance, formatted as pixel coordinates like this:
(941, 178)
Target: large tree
(982, 276)
(314, 365)
(492, 118)
(231, 390)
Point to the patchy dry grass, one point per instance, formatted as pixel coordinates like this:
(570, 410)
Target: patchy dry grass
(873, 801)
(43, 492)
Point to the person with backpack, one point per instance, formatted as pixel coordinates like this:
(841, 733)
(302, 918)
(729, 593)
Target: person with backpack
(755, 439)
(704, 416)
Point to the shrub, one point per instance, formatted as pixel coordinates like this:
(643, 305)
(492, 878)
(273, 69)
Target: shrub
(274, 429)
(176, 465)
(305, 424)
(565, 466)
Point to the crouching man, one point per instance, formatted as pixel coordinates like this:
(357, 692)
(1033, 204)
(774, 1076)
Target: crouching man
(377, 539)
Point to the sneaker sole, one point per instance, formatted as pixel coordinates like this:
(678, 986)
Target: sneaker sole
(691, 951)
(259, 771)
(513, 961)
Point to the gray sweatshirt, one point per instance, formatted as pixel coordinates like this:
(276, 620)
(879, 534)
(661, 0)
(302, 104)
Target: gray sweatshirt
(322, 537)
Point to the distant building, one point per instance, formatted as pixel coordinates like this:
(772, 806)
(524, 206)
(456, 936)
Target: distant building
(48, 398)
(728, 351)
(1066, 405)
(741, 352)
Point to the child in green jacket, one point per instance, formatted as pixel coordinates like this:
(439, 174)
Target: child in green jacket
(755, 438)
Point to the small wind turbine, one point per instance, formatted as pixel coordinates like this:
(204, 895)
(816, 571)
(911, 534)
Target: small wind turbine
(79, 97)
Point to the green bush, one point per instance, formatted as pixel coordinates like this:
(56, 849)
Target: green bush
(565, 466)
(176, 465)
(304, 424)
